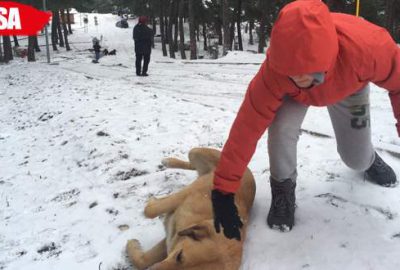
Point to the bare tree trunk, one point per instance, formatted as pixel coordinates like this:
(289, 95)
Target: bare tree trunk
(251, 27)
(31, 49)
(69, 22)
(218, 29)
(225, 23)
(197, 31)
(162, 29)
(181, 31)
(60, 34)
(154, 24)
(64, 26)
(238, 22)
(8, 54)
(54, 36)
(389, 16)
(153, 21)
(193, 46)
(176, 27)
(171, 44)
(176, 35)
(36, 44)
(205, 36)
(1, 53)
(154, 28)
(261, 34)
(337, 5)
(16, 43)
(166, 21)
(231, 35)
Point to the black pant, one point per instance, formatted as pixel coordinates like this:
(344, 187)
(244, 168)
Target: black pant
(139, 57)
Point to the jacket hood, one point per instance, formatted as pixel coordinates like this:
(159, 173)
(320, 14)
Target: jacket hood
(303, 39)
(143, 19)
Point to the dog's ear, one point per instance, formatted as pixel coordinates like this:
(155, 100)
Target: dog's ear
(196, 232)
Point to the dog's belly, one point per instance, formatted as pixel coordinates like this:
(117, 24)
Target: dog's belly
(195, 208)
(170, 230)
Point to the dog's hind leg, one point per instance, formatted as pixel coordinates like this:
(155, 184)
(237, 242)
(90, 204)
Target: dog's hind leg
(158, 206)
(142, 260)
(177, 163)
(204, 160)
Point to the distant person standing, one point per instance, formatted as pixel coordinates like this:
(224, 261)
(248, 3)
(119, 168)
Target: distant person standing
(142, 35)
(96, 48)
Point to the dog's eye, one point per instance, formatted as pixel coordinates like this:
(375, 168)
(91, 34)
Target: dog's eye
(193, 236)
(179, 257)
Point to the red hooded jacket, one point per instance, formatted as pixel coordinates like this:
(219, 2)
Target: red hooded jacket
(307, 38)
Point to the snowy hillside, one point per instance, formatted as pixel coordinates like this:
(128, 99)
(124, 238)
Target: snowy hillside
(80, 152)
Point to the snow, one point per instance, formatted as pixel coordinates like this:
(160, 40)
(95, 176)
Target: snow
(81, 146)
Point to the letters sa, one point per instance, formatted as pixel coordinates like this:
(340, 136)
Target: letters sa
(13, 22)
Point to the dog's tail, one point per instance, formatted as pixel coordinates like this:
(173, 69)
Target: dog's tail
(177, 163)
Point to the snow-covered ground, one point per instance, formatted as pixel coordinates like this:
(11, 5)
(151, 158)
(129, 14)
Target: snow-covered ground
(80, 151)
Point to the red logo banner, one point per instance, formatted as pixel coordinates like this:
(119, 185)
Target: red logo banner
(17, 19)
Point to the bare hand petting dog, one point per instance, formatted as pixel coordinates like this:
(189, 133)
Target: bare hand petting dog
(226, 214)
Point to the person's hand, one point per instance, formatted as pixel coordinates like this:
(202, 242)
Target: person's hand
(226, 214)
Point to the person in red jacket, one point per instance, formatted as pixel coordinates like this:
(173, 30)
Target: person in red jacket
(315, 58)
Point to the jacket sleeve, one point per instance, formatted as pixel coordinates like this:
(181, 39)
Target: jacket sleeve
(387, 72)
(256, 113)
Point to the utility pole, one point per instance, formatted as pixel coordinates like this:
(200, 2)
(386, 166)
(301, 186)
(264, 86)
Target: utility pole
(357, 8)
(47, 35)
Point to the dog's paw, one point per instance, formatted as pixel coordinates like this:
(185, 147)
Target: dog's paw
(133, 245)
(135, 254)
(166, 162)
(150, 209)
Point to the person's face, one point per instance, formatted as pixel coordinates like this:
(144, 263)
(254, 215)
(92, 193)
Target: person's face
(303, 81)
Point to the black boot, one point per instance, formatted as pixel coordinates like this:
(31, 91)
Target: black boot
(381, 173)
(281, 213)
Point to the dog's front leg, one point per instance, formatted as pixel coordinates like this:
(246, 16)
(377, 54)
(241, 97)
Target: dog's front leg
(142, 260)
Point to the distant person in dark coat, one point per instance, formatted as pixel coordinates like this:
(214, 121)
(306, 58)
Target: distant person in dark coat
(96, 48)
(143, 36)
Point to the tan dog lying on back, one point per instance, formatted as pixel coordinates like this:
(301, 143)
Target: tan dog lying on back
(191, 242)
